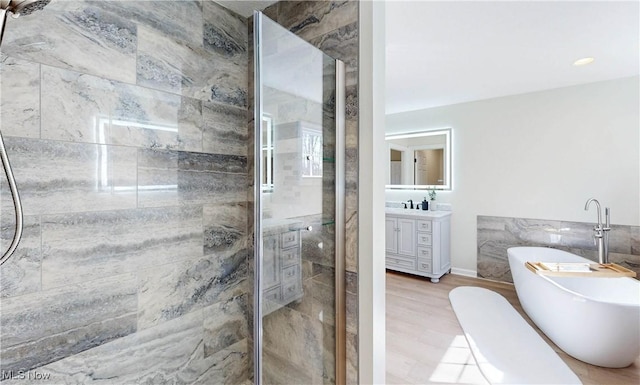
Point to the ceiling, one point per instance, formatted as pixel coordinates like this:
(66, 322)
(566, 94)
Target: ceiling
(448, 52)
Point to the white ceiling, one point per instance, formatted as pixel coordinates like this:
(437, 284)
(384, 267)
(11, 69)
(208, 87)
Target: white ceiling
(448, 52)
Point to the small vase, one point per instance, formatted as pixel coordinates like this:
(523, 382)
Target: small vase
(432, 205)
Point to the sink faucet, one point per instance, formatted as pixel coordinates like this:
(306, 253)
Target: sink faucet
(410, 201)
(601, 232)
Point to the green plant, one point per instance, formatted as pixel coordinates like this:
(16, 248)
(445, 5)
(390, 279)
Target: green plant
(432, 195)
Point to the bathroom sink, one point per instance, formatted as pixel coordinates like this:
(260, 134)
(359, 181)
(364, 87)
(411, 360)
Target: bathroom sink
(416, 213)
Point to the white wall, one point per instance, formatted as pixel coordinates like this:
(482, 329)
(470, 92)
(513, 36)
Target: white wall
(371, 271)
(539, 155)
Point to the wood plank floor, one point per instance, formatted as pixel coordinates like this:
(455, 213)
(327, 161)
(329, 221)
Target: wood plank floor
(426, 345)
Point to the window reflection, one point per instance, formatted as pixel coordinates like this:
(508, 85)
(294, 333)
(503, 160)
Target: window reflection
(267, 154)
(311, 153)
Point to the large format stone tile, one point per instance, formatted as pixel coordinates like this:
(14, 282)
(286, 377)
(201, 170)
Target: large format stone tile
(232, 164)
(352, 358)
(153, 119)
(178, 19)
(158, 178)
(296, 338)
(84, 108)
(278, 370)
(20, 274)
(634, 234)
(224, 129)
(171, 178)
(351, 242)
(43, 327)
(198, 187)
(342, 44)
(20, 102)
(75, 106)
(78, 36)
(167, 178)
(225, 323)
(59, 177)
(309, 19)
(497, 234)
(225, 228)
(231, 365)
(224, 31)
(171, 353)
(119, 289)
(170, 291)
(188, 70)
(99, 244)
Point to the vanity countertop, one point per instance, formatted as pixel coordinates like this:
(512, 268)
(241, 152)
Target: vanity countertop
(417, 213)
(271, 225)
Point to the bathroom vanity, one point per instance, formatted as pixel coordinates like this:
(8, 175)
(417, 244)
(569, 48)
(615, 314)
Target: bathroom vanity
(282, 270)
(418, 242)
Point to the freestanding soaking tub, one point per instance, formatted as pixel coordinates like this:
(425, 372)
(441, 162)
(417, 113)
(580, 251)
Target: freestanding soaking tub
(596, 320)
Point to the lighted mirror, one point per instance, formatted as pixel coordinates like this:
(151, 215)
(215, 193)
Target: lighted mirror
(419, 160)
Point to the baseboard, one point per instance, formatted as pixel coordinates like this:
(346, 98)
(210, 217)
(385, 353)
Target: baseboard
(464, 272)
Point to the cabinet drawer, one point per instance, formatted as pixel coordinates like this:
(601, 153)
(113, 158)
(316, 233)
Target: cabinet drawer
(424, 252)
(424, 226)
(424, 265)
(272, 295)
(406, 263)
(291, 290)
(424, 239)
(291, 273)
(289, 257)
(289, 239)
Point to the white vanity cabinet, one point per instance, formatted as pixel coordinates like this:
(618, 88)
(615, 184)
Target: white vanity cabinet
(282, 264)
(401, 236)
(418, 242)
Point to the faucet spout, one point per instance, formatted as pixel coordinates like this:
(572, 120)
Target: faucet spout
(601, 233)
(586, 208)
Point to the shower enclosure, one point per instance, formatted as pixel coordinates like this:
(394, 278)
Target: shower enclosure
(299, 321)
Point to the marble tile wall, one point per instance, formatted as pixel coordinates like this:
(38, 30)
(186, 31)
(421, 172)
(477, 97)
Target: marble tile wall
(497, 234)
(331, 26)
(125, 122)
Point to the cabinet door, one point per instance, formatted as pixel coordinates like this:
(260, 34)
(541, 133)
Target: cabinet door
(271, 261)
(407, 237)
(391, 235)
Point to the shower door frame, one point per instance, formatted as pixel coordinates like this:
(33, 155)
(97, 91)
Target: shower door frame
(340, 219)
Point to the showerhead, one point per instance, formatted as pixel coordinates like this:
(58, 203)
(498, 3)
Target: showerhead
(24, 7)
(18, 7)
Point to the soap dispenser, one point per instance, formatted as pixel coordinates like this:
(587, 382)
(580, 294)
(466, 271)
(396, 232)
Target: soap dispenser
(425, 204)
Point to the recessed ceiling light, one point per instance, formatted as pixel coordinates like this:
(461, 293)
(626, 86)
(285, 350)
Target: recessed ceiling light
(583, 61)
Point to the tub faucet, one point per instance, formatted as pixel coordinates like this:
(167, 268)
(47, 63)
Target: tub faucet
(601, 232)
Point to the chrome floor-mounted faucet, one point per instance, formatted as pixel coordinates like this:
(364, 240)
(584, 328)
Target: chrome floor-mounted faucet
(601, 231)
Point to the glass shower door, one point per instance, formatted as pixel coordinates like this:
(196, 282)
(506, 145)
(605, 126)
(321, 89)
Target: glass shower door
(298, 258)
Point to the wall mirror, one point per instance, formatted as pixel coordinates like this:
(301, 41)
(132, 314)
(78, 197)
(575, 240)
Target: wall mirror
(419, 160)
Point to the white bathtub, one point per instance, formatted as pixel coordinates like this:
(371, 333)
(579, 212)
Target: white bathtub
(596, 320)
